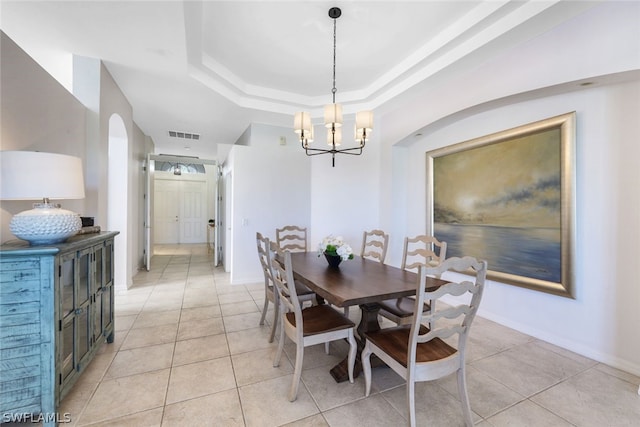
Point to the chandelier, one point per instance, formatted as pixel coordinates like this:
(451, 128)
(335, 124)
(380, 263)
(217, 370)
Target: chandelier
(333, 118)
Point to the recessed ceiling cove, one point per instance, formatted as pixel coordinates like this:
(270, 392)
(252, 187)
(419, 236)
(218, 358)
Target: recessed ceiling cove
(277, 56)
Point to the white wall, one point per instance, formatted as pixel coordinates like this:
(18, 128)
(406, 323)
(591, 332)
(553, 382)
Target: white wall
(28, 124)
(143, 145)
(38, 113)
(112, 101)
(604, 316)
(345, 199)
(538, 80)
(271, 188)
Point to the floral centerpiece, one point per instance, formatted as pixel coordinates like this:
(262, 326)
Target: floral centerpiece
(335, 250)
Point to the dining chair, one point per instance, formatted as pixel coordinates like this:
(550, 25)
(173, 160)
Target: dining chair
(418, 353)
(270, 294)
(292, 238)
(305, 326)
(421, 250)
(374, 247)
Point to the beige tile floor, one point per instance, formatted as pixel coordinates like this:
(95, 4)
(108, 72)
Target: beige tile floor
(189, 352)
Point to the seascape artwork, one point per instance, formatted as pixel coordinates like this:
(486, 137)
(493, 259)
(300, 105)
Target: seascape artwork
(502, 202)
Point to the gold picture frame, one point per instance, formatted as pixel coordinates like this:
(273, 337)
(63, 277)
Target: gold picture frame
(509, 198)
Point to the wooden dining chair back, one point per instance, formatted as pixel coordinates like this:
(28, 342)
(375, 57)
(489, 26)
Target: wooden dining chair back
(305, 326)
(418, 251)
(270, 293)
(418, 353)
(374, 245)
(422, 250)
(292, 238)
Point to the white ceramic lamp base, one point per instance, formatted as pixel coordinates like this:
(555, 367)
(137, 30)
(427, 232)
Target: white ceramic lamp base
(45, 224)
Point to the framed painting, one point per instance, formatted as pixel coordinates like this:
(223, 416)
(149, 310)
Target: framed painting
(508, 198)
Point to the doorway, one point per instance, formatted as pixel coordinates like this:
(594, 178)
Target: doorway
(192, 198)
(180, 209)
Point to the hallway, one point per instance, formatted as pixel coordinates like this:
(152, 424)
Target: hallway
(188, 351)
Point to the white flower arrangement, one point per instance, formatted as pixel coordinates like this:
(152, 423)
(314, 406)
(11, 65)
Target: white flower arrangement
(335, 246)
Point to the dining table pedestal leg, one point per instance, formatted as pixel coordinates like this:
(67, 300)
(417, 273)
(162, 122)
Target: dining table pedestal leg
(368, 323)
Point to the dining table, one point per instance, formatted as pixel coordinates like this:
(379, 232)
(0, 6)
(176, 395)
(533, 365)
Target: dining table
(358, 281)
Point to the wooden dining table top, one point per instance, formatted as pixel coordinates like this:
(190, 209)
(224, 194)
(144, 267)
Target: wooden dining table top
(356, 281)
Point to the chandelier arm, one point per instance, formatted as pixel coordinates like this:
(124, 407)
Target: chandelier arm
(347, 151)
(318, 150)
(315, 154)
(342, 151)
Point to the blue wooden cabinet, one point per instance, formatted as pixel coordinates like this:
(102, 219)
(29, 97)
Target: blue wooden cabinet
(56, 309)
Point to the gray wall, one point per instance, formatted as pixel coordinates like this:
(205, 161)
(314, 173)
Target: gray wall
(38, 113)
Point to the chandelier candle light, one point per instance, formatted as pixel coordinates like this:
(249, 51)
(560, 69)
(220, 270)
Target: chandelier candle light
(333, 118)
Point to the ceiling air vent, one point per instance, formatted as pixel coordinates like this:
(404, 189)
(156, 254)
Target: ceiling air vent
(184, 135)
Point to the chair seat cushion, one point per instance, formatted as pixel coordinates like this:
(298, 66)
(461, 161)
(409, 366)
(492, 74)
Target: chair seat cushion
(319, 319)
(395, 342)
(402, 307)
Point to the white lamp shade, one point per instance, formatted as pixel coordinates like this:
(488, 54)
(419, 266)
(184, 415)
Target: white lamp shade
(309, 138)
(364, 120)
(32, 175)
(301, 122)
(334, 139)
(333, 115)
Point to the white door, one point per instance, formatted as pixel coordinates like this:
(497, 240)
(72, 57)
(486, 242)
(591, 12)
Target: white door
(148, 207)
(193, 211)
(180, 210)
(166, 207)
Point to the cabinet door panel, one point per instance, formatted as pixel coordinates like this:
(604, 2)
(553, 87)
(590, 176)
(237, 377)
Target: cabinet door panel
(97, 287)
(107, 292)
(84, 283)
(108, 263)
(97, 319)
(107, 312)
(84, 334)
(98, 272)
(67, 279)
(66, 349)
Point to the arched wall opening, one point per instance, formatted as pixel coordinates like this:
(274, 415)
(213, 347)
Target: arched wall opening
(117, 196)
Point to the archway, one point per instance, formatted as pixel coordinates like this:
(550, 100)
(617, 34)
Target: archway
(118, 192)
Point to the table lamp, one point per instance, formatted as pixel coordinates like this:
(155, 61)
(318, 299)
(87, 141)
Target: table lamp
(32, 175)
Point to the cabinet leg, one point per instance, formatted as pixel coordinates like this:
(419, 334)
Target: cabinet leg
(111, 337)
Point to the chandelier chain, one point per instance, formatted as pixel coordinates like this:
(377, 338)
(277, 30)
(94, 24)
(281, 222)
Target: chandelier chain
(334, 90)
